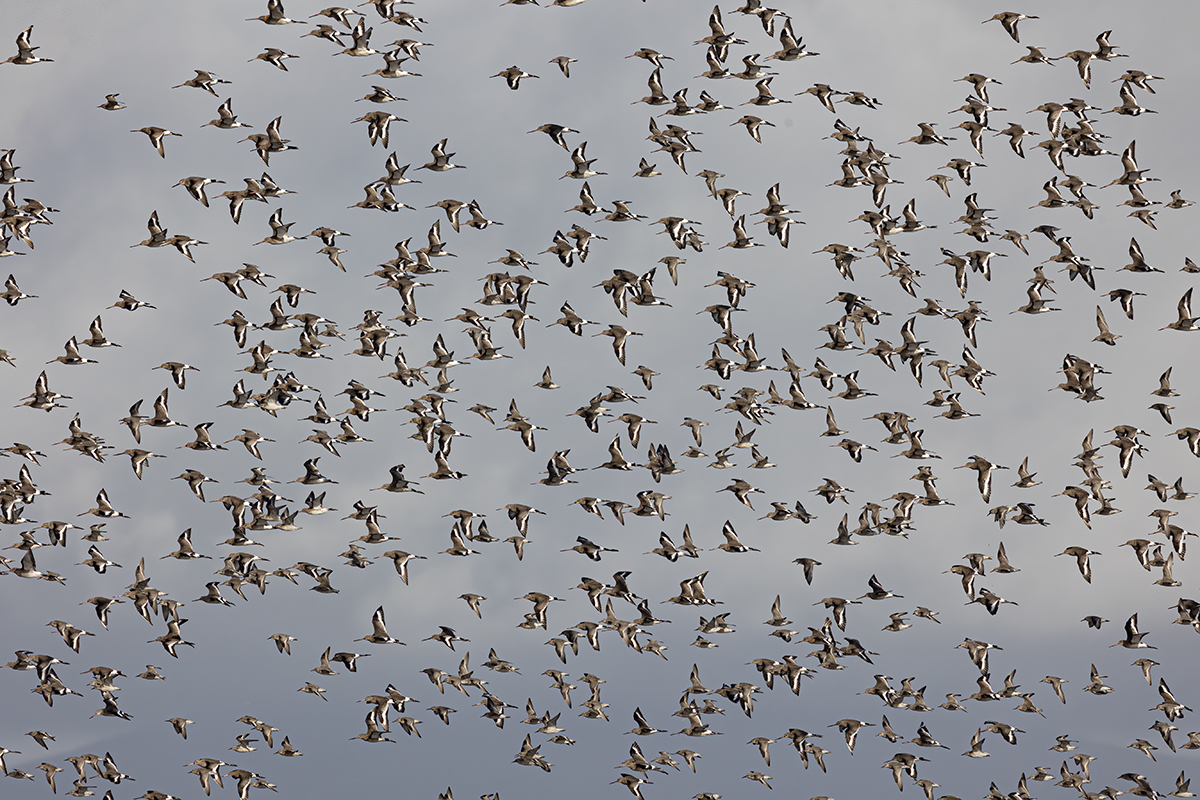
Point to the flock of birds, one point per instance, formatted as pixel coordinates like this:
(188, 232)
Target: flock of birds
(281, 349)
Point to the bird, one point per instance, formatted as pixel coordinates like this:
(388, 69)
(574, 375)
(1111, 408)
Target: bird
(1185, 322)
(877, 591)
(25, 55)
(111, 103)
(379, 634)
(564, 64)
(279, 230)
(275, 57)
(104, 508)
(513, 76)
(283, 642)
(1009, 20)
(226, 119)
(753, 125)
(1133, 638)
(213, 597)
(976, 750)
(631, 782)
(157, 135)
(1081, 555)
(984, 469)
(275, 15)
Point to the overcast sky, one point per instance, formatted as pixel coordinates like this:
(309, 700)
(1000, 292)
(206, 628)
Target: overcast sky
(105, 182)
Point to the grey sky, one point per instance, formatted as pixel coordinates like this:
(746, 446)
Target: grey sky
(106, 181)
